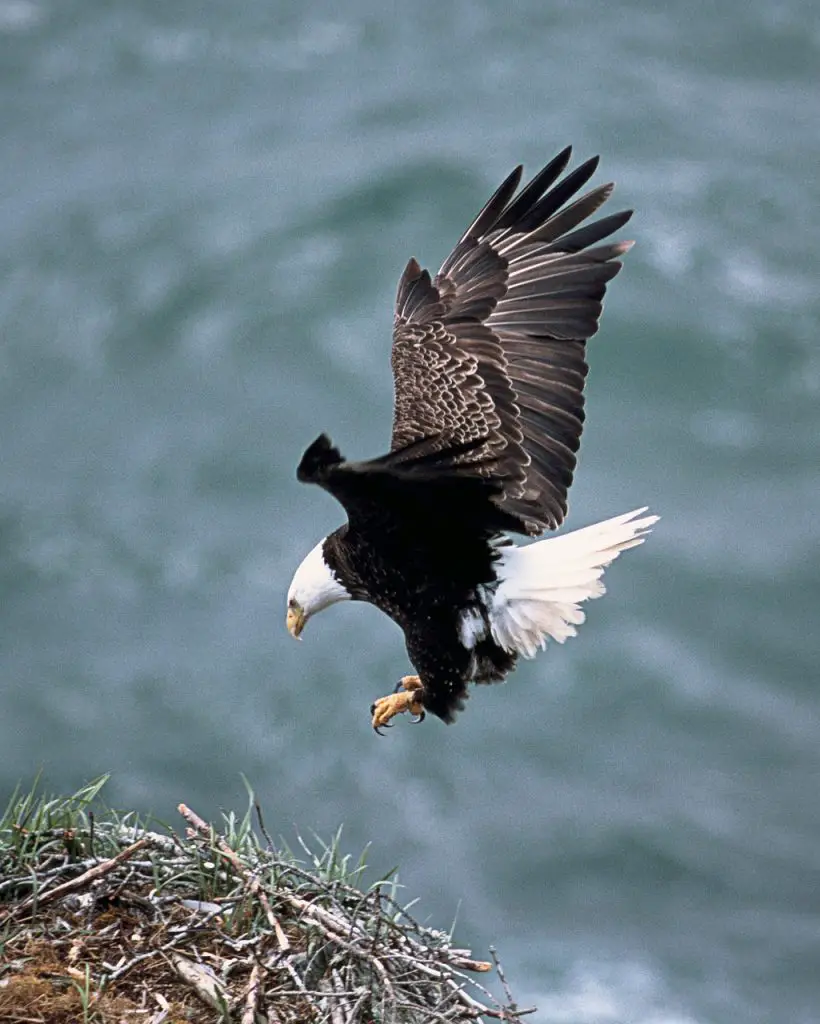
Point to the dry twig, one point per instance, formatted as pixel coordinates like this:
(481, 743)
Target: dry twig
(253, 883)
(83, 881)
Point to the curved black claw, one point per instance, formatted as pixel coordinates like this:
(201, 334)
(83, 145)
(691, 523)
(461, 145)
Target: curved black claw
(378, 728)
(399, 687)
(419, 718)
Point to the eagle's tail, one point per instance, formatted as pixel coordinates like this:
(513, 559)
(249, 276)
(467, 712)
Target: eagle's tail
(541, 585)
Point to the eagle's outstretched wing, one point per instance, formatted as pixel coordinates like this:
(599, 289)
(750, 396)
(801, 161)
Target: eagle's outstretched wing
(395, 493)
(493, 346)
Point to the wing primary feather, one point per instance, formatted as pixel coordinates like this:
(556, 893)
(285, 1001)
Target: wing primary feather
(568, 217)
(494, 205)
(557, 196)
(591, 233)
(533, 191)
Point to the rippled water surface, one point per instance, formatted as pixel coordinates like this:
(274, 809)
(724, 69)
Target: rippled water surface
(204, 211)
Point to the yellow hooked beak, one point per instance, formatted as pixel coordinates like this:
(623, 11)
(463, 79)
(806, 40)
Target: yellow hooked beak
(295, 620)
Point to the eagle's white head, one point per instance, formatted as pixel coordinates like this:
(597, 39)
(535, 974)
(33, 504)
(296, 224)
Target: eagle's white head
(314, 587)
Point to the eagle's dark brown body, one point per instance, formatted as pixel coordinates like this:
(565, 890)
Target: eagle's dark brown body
(424, 579)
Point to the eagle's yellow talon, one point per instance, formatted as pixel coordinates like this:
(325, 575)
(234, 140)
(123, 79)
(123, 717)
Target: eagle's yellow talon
(406, 699)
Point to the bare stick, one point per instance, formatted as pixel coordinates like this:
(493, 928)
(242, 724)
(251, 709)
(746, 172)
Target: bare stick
(98, 871)
(511, 1004)
(479, 966)
(254, 886)
(207, 986)
(262, 828)
(252, 998)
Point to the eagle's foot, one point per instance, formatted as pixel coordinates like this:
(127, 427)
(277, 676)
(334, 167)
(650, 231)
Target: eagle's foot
(407, 697)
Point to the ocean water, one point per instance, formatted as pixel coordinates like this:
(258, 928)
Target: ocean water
(204, 211)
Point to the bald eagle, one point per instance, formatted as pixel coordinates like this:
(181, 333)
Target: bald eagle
(489, 366)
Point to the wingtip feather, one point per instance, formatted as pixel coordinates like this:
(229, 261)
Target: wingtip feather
(319, 456)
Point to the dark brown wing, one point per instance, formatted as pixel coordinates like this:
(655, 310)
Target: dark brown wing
(401, 493)
(494, 345)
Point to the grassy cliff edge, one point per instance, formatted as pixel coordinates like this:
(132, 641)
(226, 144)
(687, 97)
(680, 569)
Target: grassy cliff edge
(105, 919)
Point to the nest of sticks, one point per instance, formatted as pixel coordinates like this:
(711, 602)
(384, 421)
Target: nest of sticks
(105, 921)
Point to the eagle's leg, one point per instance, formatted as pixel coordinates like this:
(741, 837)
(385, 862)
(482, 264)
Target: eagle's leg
(406, 698)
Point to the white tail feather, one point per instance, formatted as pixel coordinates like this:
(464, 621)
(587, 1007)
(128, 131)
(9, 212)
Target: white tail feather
(542, 585)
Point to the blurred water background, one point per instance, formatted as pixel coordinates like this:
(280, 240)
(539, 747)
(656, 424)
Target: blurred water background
(204, 210)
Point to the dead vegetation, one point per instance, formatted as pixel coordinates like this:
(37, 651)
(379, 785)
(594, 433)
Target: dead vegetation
(104, 920)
